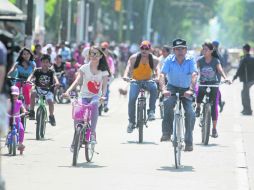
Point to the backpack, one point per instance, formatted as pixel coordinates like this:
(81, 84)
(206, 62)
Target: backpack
(139, 58)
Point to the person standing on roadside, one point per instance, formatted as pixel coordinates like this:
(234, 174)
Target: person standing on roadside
(246, 74)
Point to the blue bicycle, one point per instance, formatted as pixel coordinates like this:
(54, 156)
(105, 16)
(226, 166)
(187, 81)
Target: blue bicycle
(12, 138)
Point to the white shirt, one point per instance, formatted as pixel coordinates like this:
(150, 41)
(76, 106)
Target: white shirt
(92, 84)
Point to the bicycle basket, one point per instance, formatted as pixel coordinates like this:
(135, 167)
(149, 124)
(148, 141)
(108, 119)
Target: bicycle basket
(78, 110)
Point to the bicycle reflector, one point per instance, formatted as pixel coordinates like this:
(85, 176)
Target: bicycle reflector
(208, 89)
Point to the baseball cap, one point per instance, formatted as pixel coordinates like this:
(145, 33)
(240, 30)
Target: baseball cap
(14, 90)
(216, 43)
(145, 44)
(105, 45)
(179, 43)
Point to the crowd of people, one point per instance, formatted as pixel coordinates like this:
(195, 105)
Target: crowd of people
(168, 70)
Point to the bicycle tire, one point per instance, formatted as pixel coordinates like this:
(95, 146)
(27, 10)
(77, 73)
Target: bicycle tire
(9, 145)
(38, 122)
(207, 123)
(43, 125)
(161, 110)
(140, 123)
(176, 142)
(77, 144)
(56, 98)
(100, 110)
(23, 121)
(14, 145)
(89, 151)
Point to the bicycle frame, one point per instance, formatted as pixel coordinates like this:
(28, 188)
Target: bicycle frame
(142, 103)
(86, 119)
(178, 113)
(13, 134)
(205, 119)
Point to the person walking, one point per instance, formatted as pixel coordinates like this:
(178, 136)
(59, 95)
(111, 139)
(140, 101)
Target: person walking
(246, 74)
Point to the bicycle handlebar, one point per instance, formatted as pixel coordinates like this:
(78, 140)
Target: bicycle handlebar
(17, 115)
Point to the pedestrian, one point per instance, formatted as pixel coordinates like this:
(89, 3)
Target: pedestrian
(245, 72)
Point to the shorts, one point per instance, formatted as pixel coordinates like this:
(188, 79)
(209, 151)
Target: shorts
(49, 95)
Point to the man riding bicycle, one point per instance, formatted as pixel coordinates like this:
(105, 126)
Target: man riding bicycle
(181, 73)
(141, 67)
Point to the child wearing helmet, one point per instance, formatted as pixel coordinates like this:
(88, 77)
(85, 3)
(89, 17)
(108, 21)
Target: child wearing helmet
(17, 108)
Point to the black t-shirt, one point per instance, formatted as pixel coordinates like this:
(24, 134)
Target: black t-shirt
(60, 68)
(43, 79)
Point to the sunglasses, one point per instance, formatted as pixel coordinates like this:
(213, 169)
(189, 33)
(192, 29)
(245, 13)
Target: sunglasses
(145, 48)
(94, 54)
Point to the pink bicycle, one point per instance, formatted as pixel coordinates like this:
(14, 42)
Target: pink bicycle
(81, 114)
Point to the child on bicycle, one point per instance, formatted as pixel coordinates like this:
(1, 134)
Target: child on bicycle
(24, 66)
(44, 79)
(59, 67)
(94, 76)
(17, 108)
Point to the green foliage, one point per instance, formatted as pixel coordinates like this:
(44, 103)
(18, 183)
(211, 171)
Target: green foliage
(50, 7)
(188, 19)
(231, 18)
(13, 1)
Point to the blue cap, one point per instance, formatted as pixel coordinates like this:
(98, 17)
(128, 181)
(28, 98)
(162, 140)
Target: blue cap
(216, 43)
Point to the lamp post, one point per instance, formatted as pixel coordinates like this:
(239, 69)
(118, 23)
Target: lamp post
(149, 20)
(69, 22)
(87, 21)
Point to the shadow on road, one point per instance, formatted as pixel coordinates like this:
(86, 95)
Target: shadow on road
(84, 165)
(143, 143)
(173, 169)
(48, 139)
(210, 145)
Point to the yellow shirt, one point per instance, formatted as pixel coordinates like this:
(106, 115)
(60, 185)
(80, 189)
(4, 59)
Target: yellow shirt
(143, 71)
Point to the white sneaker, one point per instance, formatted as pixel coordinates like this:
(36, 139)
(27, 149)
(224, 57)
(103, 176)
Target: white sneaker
(130, 127)
(93, 139)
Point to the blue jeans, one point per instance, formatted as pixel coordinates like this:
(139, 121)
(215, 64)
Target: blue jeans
(63, 81)
(94, 112)
(133, 95)
(167, 122)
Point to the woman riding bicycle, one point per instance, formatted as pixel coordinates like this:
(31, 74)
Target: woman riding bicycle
(209, 65)
(24, 68)
(94, 86)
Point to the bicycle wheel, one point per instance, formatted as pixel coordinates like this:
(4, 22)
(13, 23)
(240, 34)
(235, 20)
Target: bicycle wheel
(39, 121)
(77, 143)
(161, 110)
(100, 109)
(140, 123)
(14, 145)
(56, 96)
(43, 125)
(177, 141)
(89, 150)
(23, 121)
(207, 123)
(9, 144)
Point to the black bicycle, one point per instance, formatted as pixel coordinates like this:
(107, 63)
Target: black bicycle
(205, 117)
